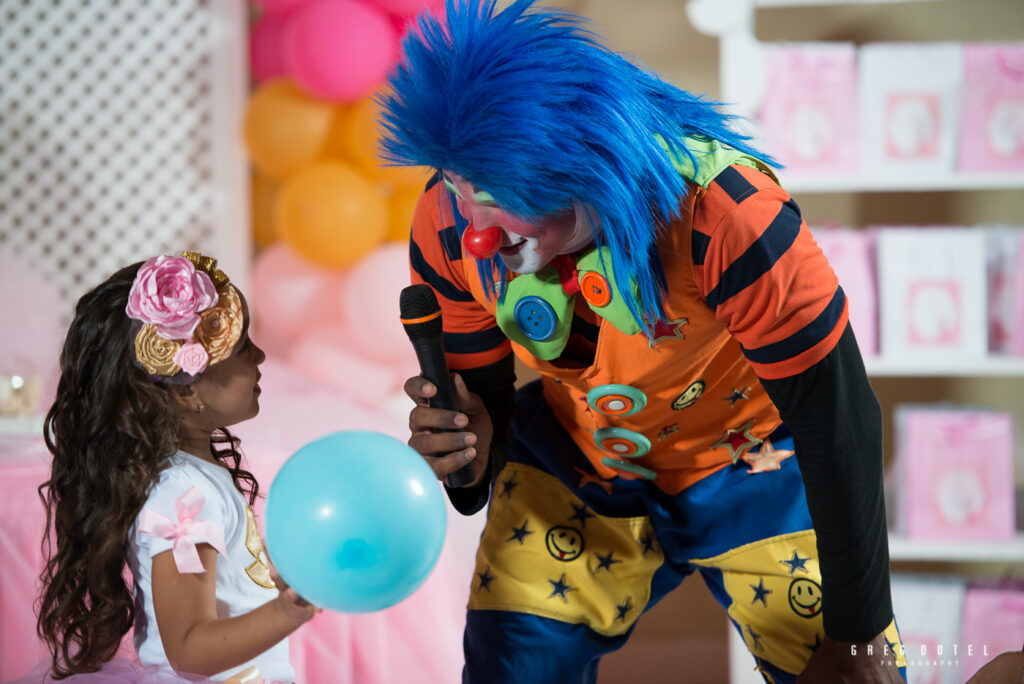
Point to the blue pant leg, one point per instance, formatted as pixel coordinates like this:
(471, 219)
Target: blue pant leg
(543, 609)
(750, 536)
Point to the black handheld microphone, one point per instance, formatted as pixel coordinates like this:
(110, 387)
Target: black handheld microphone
(421, 318)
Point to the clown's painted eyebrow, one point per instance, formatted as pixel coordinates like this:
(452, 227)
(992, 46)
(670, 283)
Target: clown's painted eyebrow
(479, 196)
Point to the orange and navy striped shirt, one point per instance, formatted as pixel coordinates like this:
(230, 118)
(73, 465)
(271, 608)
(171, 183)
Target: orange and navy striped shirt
(750, 295)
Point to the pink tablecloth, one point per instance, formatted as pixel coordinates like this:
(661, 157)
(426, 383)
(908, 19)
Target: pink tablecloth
(418, 640)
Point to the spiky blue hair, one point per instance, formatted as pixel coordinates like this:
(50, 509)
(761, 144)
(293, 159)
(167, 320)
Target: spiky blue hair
(528, 105)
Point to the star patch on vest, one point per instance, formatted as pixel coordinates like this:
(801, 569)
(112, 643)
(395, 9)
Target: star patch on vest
(766, 458)
(668, 330)
(738, 441)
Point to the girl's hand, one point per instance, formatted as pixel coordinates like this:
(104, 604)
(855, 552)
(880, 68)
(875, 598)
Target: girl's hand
(293, 606)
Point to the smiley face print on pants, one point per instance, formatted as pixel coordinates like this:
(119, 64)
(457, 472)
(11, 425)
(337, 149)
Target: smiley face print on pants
(805, 597)
(564, 543)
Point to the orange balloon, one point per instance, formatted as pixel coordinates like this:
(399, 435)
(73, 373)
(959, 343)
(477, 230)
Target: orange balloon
(285, 129)
(264, 193)
(330, 213)
(402, 205)
(359, 137)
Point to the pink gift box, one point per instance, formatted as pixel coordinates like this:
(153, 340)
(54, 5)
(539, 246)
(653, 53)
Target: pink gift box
(809, 120)
(992, 124)
(993, 623)
(851, 254)
(1017, 303)
(929, 613)
(909, 106)
(1004, 246)
(933, 295)
(955, 473)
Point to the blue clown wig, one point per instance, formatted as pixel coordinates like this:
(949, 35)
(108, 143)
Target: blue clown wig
(527, 105)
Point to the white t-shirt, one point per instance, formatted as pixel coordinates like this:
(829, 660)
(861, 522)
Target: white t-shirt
(243, 579)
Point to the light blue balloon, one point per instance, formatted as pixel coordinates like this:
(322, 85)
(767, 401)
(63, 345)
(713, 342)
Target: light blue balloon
(355, 521)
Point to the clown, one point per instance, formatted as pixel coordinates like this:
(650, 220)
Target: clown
(696, 361)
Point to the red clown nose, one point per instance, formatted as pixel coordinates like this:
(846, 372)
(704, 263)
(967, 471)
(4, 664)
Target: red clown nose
(481, 244)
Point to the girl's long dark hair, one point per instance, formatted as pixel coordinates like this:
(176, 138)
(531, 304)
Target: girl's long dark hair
(111, 431)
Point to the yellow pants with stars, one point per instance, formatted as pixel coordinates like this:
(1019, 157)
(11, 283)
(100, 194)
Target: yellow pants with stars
(567, 563)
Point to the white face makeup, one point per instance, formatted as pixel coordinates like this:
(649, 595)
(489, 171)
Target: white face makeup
(525, 247)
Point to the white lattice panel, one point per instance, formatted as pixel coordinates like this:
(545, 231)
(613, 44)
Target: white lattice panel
(120, 135)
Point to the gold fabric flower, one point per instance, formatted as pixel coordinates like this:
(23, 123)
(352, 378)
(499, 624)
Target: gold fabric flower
(155, 353)
(220, 326)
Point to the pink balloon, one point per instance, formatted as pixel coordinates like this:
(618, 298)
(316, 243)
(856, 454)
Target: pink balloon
(294, 409)
(369, 306)
(402, 20)
(323, 355)
(281, 6)
(339, 50)
(266, 59)
(290, 295)
(405, 6)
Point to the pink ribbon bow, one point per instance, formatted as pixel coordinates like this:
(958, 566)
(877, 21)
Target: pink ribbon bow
(188, 506)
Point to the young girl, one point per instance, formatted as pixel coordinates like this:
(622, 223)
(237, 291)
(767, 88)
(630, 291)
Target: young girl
(156, 365)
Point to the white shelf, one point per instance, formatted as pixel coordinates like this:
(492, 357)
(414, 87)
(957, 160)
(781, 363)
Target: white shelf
(905, 183)
(957, 551)
(879, 366)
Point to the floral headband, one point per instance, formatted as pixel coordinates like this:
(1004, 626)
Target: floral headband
(190, 315)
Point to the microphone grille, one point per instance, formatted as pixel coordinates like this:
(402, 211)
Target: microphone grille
(420, 312)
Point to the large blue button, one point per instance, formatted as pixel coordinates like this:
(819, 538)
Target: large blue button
(535, 318)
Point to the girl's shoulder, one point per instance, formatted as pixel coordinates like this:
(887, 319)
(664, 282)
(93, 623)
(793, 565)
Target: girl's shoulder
(190, 482)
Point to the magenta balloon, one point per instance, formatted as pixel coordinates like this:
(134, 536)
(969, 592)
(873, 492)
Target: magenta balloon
(339, 50)
(266, 59)
(402, 20)
(405, 6)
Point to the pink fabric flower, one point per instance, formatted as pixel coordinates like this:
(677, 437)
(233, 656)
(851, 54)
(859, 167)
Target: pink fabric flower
(192, 358)
(170, 293)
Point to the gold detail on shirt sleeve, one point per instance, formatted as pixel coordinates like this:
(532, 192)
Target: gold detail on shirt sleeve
(259, 570)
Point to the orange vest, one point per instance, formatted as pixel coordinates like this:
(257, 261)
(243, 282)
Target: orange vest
(704, 406)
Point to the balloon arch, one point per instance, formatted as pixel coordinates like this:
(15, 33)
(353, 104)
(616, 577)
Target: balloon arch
(330, 221)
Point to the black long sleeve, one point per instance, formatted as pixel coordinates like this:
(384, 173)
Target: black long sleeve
(495, 384)
(836, 422)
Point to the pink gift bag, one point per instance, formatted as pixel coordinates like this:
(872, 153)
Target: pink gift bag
(809, 118)
(851, 253)
(992, 124)
(955, 473)
(993, 623)
(1003, 245)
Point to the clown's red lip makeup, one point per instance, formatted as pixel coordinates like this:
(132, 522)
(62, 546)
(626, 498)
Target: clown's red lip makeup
(512, 249)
